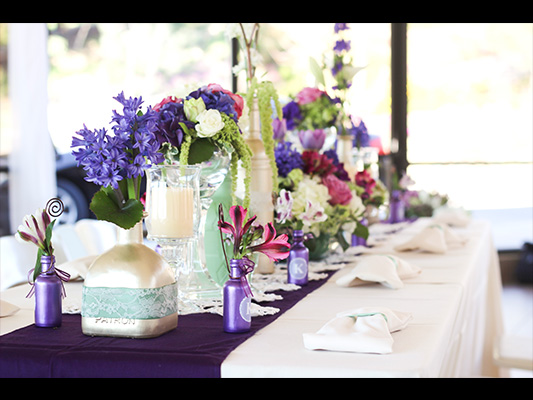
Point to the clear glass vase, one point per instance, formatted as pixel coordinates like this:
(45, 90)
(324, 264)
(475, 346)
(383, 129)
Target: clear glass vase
(201, 285)
(173, 220)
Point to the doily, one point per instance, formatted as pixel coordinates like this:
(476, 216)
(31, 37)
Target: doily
(263, 286)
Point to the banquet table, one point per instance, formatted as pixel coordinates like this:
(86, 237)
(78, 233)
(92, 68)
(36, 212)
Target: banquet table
(455, 303)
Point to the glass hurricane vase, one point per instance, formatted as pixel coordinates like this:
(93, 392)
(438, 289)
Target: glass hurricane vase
(173, 219)
(206, 243)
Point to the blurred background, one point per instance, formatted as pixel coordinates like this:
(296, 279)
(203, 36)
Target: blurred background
(469, 98)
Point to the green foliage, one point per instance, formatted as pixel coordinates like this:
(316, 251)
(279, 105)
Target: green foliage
(266, 94)
(41, 252)
(108, 207)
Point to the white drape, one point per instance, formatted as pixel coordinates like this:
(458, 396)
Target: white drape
(32, 179)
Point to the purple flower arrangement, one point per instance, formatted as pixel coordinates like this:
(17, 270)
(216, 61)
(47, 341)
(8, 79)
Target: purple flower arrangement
(311, 109)
(108, 159)
(316, 195)
(117, 161)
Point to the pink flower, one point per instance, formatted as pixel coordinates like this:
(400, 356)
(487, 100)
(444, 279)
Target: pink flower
(317, 164)
(364, 180)
(237, 230)
(338, 190)
(275, 248)
(308, 95)
(244, 234)
(239, 101)
(168, 99)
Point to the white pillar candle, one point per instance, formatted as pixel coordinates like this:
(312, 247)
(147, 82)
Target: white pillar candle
(171, 212)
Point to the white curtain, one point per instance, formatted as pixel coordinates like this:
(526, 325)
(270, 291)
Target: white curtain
(32, 179)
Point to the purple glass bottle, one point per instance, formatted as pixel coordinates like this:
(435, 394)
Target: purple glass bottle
(359, 241)
(48, 292)
(298, 260)
(237, 304)
(396, 208)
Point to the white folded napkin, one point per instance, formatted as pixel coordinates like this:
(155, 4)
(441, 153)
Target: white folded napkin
(435, 238)
(7, 309)
(451, 216)
(386, 269)
(363, 330)
(77, 269)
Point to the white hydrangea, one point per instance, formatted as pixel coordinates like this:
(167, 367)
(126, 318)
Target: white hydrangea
(309, 189)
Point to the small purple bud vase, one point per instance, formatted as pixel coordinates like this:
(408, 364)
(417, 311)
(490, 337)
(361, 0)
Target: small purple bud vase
(396, 208)
(298, 260)
(359, 241)
(48, 295)
(237, 298)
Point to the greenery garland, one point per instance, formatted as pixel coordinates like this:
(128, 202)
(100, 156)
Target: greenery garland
(265, 94)
(230, 137)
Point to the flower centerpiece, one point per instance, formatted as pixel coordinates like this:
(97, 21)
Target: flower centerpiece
(244, 235)
(416, 203)
(189, 130)
(117, 161)
(37, 229)
(316, 196)
(373, 193)
(311, 109)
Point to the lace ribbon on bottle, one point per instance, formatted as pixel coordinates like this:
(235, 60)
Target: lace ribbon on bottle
(143, 303)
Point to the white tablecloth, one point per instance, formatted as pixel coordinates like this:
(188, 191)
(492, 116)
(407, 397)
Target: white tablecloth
(456, 307)
(455, 303)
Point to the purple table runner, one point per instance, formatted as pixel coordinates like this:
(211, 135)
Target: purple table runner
(196, 348)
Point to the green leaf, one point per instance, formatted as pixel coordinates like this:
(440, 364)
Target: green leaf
(361, 231)
(48, 236)
(105, 208)
(37, 270)
(341, 240)
(201, 150)
(316, 71)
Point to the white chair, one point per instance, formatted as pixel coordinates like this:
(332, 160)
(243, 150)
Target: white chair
(67, 244)
(97, 236)
(16, 261)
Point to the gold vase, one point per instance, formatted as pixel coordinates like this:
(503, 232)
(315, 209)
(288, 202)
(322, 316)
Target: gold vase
(129, 291)
(261, 183)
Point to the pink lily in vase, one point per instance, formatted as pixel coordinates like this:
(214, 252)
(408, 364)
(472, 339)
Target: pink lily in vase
(244, 233)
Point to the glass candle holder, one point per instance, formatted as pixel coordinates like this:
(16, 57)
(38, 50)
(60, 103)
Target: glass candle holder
(173, 217)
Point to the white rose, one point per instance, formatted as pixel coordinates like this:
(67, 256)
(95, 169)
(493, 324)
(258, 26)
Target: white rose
(209, 123)
(356, 205)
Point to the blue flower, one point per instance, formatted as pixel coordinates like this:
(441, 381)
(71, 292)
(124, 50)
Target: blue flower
(342, 45)
(105, 158)
(216, 100)
(287, 158)
(360, 134)
(341, 27)
(292, 114)
(169, 119)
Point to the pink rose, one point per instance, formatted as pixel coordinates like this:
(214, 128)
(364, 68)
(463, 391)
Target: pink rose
(169, 99)
(239, 101)
(308, 95)
(338, 190)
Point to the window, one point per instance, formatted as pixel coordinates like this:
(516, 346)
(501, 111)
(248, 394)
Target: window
(470, 112)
